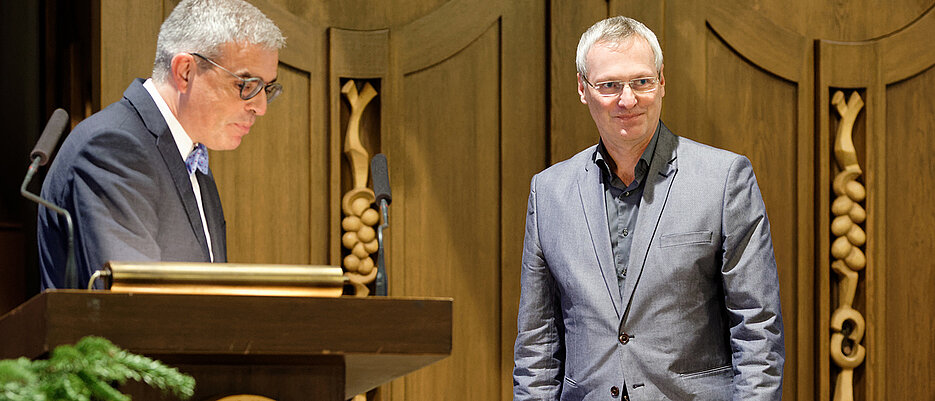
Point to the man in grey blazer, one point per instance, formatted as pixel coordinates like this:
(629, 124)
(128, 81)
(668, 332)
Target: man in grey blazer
(648, 270)
(135, 175)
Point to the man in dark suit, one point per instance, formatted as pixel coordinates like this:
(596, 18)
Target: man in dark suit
(135, 175)
(648, 270)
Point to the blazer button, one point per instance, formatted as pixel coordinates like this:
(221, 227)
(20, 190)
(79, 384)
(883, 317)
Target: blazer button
(624, 338)
(614, 391)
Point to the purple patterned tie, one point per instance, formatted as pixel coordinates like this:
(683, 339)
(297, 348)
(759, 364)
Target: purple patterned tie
(198, 159)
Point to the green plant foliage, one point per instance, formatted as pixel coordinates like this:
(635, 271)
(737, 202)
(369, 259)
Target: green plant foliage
(85, 372)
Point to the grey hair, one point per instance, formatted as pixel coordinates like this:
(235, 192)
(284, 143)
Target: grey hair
(202, 26)
(615, 30)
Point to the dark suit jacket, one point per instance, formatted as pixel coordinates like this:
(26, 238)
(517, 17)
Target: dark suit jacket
(120, 174)
(699, 317)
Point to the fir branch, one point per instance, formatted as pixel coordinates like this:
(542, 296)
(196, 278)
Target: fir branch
(84, 372)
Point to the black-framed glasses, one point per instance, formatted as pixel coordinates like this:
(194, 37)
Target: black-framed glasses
(250, 87)
(614, 88)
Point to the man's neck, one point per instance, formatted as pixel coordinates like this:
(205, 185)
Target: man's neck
(169, 95)
(626, 157)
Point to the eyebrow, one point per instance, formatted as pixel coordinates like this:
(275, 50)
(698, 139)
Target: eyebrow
(247, 74)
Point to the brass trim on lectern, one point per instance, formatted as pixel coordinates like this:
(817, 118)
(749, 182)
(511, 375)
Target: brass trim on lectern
(245, 397)
(224, 279)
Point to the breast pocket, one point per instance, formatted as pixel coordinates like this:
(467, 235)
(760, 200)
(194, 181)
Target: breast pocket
(689, 238)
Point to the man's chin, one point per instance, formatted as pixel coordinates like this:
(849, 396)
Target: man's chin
(230, 143)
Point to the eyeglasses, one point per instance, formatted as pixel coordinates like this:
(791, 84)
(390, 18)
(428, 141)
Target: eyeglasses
(614, 88)
(250, 87)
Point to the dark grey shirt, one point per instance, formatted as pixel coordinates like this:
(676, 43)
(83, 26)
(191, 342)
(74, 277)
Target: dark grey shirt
(623, 202)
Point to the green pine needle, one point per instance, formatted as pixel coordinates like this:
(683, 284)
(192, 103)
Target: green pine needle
(85, 372)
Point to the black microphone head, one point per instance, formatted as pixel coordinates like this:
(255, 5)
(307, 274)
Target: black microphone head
(50, 135)
(381, 179)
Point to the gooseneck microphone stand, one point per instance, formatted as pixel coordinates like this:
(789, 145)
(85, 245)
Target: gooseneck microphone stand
(381, 189)
(40, 156)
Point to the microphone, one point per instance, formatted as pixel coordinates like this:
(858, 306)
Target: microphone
(381, 180)
(381, 190)
(49, 138)
(40, 156)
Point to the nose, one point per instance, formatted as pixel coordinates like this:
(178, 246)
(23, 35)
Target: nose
(627, 98)
(257, 104)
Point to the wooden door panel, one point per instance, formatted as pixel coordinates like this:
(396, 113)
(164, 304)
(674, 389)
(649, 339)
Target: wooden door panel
(910, 271)
(451, 164)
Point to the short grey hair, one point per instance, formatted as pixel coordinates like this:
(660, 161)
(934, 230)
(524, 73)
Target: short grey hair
(202, 26)
(615, 30)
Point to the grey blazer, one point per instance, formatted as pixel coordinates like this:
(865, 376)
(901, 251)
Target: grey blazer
(120, 174)
(700, 307)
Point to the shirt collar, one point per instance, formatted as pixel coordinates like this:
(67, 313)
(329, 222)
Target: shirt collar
(182, 140)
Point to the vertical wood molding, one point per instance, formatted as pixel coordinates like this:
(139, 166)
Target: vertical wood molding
(876, 274)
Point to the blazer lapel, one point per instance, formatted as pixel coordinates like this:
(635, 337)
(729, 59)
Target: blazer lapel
(658, 183)
(592, 200)
(214, 214)
(139, 97)
(183, 184)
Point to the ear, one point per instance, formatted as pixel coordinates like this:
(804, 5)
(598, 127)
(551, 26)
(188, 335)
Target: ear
(581, 89)
(183, 70)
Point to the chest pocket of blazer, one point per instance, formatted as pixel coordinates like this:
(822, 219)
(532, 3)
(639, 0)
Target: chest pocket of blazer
(689, 238)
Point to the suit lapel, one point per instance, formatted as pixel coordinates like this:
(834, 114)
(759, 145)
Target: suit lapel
(139, 97)
(183, 186)
(592, 200)
(658, 183)
(214, 215)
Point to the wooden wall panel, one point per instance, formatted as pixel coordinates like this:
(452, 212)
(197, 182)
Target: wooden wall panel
(683, 39)
(121, 23)
(851, 20)
(451, 164)
(571, 128)
(910, 228)
(360, 14)
(524, 69)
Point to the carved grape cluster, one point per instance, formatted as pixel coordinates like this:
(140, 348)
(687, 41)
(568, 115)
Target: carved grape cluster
(360, 237)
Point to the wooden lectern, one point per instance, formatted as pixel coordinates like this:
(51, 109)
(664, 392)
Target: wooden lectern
(283, 348)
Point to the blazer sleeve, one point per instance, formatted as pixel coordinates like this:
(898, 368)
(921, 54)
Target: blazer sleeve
(751, 287)
(539, 350)
(114, 190)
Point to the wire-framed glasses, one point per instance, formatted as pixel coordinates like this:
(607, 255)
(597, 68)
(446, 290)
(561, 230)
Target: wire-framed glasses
(614, 88)
(250, 87)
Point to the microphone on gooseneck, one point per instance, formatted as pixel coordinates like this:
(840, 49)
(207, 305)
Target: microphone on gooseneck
(381, 190)
(40, 157)
(49, 138)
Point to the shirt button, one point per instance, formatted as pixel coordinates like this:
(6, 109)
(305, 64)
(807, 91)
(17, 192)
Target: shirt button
(624, 338)
(614, 391)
